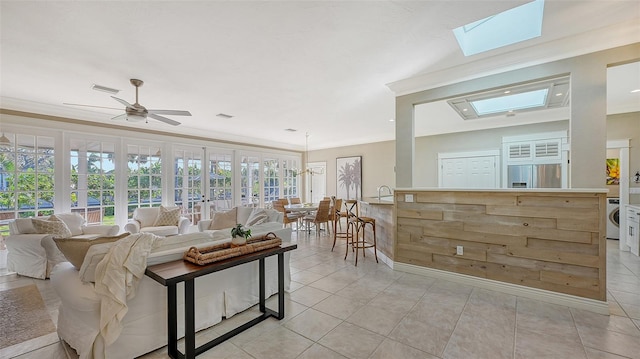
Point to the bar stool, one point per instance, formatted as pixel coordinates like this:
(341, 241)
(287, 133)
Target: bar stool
(337, 217)
(357, 224)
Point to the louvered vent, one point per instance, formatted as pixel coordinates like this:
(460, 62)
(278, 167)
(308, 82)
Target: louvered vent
(547, 149)
(519, 151)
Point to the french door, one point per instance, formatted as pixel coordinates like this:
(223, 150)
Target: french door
(219, 180)
(187, 172)
(203, 181)
(250, 187)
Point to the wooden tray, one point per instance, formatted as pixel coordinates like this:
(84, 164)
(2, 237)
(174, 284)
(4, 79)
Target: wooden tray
(226, 250)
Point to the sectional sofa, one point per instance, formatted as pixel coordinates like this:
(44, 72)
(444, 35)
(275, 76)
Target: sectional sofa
(144, 327)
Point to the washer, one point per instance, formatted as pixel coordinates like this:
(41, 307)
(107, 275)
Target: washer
(613, 218)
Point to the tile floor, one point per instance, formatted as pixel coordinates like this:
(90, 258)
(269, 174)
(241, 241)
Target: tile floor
(337, 310)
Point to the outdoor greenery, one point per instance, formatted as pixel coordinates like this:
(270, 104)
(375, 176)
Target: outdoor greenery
(27, 182)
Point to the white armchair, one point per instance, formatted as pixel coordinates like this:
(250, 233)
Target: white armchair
(34, 254)
(149, 219)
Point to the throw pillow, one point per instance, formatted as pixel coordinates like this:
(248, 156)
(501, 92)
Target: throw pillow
(75, 249)
(74, 222)
(167, 217)
(25, 226)
(257, 216)
(222, 220)
(53, 226)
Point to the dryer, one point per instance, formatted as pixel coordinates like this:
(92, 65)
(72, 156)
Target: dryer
(613, 218)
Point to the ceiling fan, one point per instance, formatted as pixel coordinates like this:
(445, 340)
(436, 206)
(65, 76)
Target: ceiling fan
(136, 112)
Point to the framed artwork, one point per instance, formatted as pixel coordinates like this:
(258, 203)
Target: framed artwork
(349, 177)
(613, 171)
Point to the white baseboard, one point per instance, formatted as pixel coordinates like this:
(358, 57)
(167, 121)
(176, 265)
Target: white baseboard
(509, 288)
(381, 257)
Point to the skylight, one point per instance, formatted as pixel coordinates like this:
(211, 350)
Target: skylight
(508, 27)
(508, 100)
(514, 102)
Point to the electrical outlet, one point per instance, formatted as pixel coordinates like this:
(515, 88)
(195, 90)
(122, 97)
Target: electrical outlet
(408, 198)
(459, 250)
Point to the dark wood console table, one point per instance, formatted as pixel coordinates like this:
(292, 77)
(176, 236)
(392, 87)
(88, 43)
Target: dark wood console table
(171, 273)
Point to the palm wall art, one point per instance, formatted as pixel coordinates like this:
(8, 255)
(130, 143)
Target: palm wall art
(349, 177)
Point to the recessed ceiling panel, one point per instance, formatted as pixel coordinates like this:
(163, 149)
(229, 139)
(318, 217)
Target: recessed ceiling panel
(532, 96)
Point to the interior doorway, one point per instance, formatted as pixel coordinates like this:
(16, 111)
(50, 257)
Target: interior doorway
(316, 181)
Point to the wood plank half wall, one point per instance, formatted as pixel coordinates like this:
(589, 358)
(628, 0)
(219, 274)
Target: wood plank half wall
(553, 240)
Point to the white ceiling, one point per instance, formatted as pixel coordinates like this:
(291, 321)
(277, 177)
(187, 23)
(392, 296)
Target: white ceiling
(322, 67)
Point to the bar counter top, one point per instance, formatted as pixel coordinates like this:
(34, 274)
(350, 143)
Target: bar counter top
(375, 200)
(543, 190)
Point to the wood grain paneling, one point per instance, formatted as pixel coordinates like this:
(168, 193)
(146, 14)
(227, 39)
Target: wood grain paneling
(559, 200)
(569, 247)
(460, 265)
(444, 246)
(420, 214)
(538, 265)
(543, 212)
(445, 207)
(548, 240)
(553, 256)
(385, 228)
(528, 230)
(501, 220)
(474, 198)
(569, 280)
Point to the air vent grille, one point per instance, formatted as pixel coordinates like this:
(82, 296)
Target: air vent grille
(105, 89)
(547, 149)
(519, 151)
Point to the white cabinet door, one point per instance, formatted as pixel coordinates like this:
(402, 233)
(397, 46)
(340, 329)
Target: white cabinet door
(454, 173)
(633, 229)
(482, 172)
(469, 172)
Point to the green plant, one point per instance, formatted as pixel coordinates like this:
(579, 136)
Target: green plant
(238, 231)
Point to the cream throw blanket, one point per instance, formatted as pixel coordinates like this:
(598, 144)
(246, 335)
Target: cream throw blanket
(117, 277)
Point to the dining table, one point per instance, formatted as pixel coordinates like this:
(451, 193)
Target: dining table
(301, 208)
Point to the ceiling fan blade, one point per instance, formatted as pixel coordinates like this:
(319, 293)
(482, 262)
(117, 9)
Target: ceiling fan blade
(171, 112)
(122, 101)
(77, 104)
(120, 117)
(164, 119)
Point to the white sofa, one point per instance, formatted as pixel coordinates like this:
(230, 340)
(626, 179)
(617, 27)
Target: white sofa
(218, 295)
(34, 254)
(144, 220)
(273, 222)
